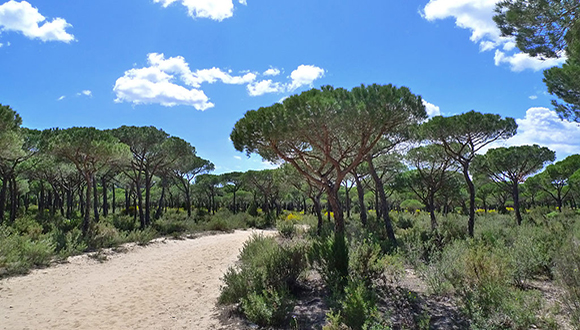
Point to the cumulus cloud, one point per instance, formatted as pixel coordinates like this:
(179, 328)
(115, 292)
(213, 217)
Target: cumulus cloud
(542, 126)
(432, 109)
(477, 16)
(217, 10)
(520, 61)
(533, 97)
(22, 17)
(271, 72)
(265, 86)
(170, 82)
(304, 75)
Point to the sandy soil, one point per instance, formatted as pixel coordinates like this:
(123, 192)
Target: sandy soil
(170, 284)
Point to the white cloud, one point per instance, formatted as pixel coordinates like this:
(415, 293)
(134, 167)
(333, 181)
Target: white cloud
(159, 83)
(238, 157)
(305, 75)
(520, 61)
(271, 72)
(265, 86)
(22, 17)
(86, 92)
(178, 66)
(432, 109)
(533, 97)
(61, 98)
(243, 2)
(213, 9)
(477, 16)
(542, 126)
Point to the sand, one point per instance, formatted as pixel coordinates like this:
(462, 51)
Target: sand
(170, 284)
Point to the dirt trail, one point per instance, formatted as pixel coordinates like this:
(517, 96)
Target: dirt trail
(171, 284)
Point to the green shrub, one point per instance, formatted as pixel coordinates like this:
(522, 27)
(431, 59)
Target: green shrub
(123, 222)
(69, 243)
(20, 253)
(264, 279)
(368, 264)
(105, 235)
(357, 305)
(168, 226)
(412, 205)
(267, 308)
(142, 237)
(329, 255)
(480, 276)
(567, 268)
(253, 209)
(286, 229)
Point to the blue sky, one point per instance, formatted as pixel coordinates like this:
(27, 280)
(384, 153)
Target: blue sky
(194, 67)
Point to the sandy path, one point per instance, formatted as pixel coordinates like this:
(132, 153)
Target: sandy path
(167, 285)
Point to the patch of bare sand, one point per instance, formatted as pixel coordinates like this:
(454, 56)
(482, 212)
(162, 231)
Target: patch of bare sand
(170, 284)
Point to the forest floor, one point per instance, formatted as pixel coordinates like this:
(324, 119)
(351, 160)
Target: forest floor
(174, 284)
(168, 284)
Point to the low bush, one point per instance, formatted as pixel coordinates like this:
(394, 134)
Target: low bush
(268, 308)
(19, 253)
(264, 279)
(567, 269)
(105, 235)
(286, 229)
(142, 237)
(329, 255)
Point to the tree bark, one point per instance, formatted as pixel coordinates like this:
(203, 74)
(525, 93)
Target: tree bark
(361, 200)
(96, 199)
(471, 188)
(105, 202)
(383, 199)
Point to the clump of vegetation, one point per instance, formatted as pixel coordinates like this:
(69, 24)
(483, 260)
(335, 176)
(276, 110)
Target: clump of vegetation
(265, 279)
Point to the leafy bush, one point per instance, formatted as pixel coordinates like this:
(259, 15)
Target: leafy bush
(142, 237)
(480, 276)
(286, 229)
(329, 255)
(267, 308)
(105, 235)
(567, 268)
(20, 253)
(123, 222)
(168, 226)
(266, 275)
(69, 243)
(368, 264)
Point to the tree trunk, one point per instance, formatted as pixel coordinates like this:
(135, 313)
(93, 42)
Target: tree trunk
(105, 202)
(96, 199)
(361, 200)
(13, 199)
(3, 198)
(383, 199)
(471, 188)
(140, 207)
(69, 202)
(432, 212)
(113, 201)
(87, 206)
(516, 197)
(147, 198)
(188, 202)
(160, 204)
